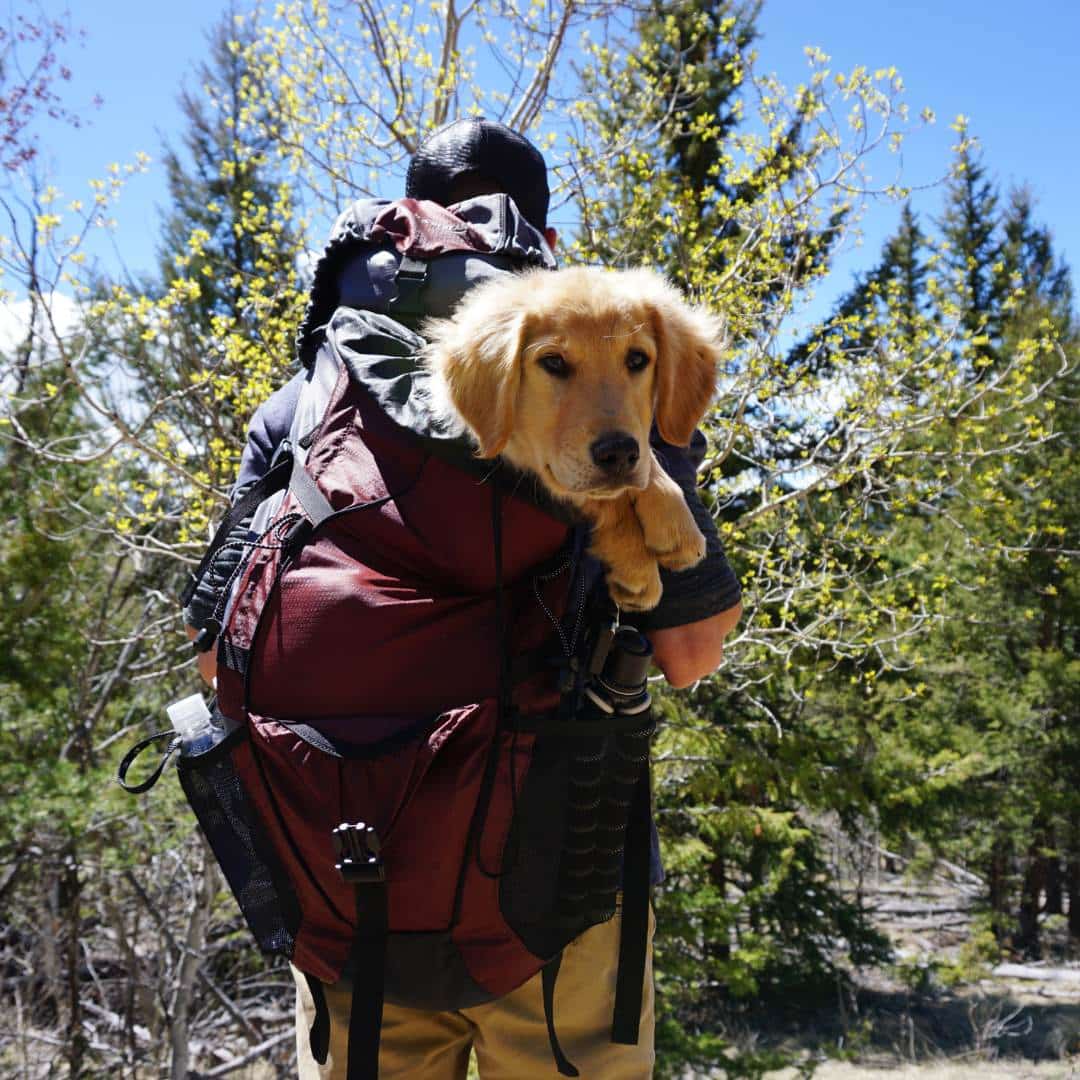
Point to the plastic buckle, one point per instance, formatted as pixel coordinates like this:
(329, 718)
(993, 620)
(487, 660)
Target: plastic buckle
(205, 638)
(357, 848)
(414, 271)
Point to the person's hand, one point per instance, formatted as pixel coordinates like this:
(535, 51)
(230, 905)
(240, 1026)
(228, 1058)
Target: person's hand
(206, 661)
(688, 653)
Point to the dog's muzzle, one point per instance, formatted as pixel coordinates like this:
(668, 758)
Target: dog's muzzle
(616, 454)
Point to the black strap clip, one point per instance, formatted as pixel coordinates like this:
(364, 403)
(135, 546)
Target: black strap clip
(358, 850)
(568, 674)
(204, 640)
(410, 278)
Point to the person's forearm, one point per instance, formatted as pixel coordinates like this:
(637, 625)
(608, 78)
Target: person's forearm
(206, 661)
(688, 653)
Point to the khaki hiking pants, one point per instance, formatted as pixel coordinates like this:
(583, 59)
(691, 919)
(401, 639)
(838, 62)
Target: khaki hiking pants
(509, 1035)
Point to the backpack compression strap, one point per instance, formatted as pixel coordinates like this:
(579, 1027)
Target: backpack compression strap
(360, 864)
(550, 972)
(312, 501)
(367, 964)
(368, 974)
(634, 936)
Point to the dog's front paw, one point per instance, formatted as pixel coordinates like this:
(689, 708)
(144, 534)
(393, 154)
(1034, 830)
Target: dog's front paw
(633, 578)
(636, 587)
(674, 539)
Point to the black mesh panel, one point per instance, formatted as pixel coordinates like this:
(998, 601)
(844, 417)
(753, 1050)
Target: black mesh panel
(242, 849)
(564, 865)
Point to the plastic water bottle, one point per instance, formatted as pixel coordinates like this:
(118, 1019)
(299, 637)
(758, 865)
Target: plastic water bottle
(195, 725)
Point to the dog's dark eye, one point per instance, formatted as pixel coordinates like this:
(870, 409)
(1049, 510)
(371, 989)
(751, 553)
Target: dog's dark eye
(554, 364)
(636, 360)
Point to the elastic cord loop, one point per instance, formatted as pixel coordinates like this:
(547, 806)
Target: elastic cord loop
(136, 750)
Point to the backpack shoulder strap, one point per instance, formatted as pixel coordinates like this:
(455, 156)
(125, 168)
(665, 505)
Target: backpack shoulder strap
(275, 480)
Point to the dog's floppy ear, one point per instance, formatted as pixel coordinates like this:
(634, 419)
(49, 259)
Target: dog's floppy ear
(689, 341)
(475, 358)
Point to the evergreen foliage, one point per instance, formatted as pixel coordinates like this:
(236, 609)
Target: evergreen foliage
(897, 491)
(220, 187)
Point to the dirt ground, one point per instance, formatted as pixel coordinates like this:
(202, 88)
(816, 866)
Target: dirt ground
(993, 1030)
(1015, 1019)
(948, 1070)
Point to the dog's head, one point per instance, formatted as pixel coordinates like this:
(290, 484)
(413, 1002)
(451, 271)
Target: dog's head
(564, 373)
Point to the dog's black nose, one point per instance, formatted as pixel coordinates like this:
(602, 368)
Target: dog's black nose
(615, 452)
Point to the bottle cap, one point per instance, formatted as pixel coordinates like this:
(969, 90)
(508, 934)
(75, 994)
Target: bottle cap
(189, 715)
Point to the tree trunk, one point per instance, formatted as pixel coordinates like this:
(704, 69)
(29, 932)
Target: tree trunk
(1027, 936)
(998, 885)
(1072, 878)
(1055, 887)
(718, 874)
(194, 948)
(69, 904)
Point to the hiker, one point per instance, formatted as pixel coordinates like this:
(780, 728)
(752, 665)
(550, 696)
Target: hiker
(494, 179)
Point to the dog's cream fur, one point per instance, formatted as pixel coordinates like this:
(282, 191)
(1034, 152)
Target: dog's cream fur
(538, 366)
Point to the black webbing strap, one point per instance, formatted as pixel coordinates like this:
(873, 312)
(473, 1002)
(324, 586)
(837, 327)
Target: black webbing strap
(549, 974)
(319, 1035)
(634, 939)
(313, 502)
(367, 965)
(136, 750)
(275, 480)
(410, 277)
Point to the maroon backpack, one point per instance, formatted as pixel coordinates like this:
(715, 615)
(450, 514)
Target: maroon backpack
(436, 772)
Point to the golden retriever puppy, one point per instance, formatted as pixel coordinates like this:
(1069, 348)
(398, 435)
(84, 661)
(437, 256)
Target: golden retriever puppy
(563, 374)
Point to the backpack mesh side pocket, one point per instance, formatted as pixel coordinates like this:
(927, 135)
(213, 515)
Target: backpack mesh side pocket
(564, 865)
(234, 829)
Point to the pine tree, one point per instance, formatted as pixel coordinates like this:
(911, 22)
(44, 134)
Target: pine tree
(221, 187)
(1028, 262)
(709, 39)
(906, 267)
(893, 292)
(972, 248)
(975, 746)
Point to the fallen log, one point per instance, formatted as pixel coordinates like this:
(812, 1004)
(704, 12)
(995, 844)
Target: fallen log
(1036, 973)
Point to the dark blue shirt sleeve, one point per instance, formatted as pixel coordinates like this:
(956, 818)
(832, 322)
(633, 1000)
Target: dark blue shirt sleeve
(268, 429)
(711, 586)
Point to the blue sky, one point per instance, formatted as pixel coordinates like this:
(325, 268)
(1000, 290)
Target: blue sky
(1011, 68)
